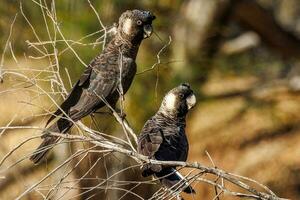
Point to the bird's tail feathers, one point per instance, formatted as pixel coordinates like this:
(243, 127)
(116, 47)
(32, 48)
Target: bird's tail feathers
(173, 180)
(61, 126)
(43, 149)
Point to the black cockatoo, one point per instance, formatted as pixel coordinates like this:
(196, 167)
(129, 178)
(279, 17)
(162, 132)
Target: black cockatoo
(106, 77)
(163, 137)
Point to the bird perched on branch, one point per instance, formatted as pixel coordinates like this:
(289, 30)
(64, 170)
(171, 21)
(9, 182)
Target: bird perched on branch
(107, 77)
(163, 138)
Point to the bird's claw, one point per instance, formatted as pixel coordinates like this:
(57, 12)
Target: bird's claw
(122, 115)
(46, 134)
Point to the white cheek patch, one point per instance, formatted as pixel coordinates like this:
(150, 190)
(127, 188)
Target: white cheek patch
(191, 101)
(170, 101)
(127, 26)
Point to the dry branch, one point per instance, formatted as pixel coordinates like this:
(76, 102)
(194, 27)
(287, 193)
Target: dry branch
(232, 178)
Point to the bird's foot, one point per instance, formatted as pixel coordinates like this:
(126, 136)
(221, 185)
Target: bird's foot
(147, 170)
(46, 134)
(122, 115)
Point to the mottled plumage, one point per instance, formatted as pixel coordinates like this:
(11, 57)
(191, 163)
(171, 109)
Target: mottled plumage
(163, 137)
(101, 79)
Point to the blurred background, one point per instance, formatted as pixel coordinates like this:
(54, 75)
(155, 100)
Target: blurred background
(241, 57)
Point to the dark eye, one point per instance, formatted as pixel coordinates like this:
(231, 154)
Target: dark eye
(181, 96)
(139, 22)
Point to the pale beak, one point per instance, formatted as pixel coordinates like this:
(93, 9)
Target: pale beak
(147, 30)
(191, 101)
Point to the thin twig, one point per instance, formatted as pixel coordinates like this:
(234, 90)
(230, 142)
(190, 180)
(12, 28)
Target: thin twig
(6, 46)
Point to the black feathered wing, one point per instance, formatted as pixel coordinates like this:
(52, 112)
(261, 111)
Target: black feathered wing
(74, 95)
(83, 99)
(150, 139)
